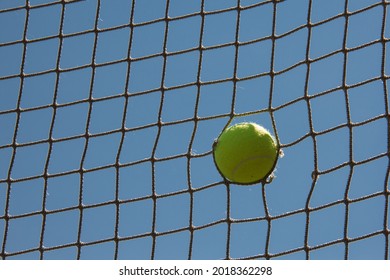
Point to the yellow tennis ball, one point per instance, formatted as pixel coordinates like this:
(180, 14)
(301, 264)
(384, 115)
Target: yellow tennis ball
(245, 153)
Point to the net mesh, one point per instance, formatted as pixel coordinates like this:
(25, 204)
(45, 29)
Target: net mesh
(109, 110)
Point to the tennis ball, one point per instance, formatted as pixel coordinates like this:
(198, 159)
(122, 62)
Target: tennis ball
(245, 153)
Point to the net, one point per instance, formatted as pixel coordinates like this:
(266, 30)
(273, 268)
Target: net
(109, 109)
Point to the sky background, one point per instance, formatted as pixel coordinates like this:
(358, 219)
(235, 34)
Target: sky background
(89, 123)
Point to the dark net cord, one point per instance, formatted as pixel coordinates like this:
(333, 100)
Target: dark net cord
(154, 160)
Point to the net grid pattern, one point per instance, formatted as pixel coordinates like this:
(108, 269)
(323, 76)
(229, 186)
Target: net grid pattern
(196, 120)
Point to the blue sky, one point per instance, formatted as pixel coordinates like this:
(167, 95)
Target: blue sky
(326, 108)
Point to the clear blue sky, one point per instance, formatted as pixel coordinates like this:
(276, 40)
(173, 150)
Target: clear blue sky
(307, 99)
